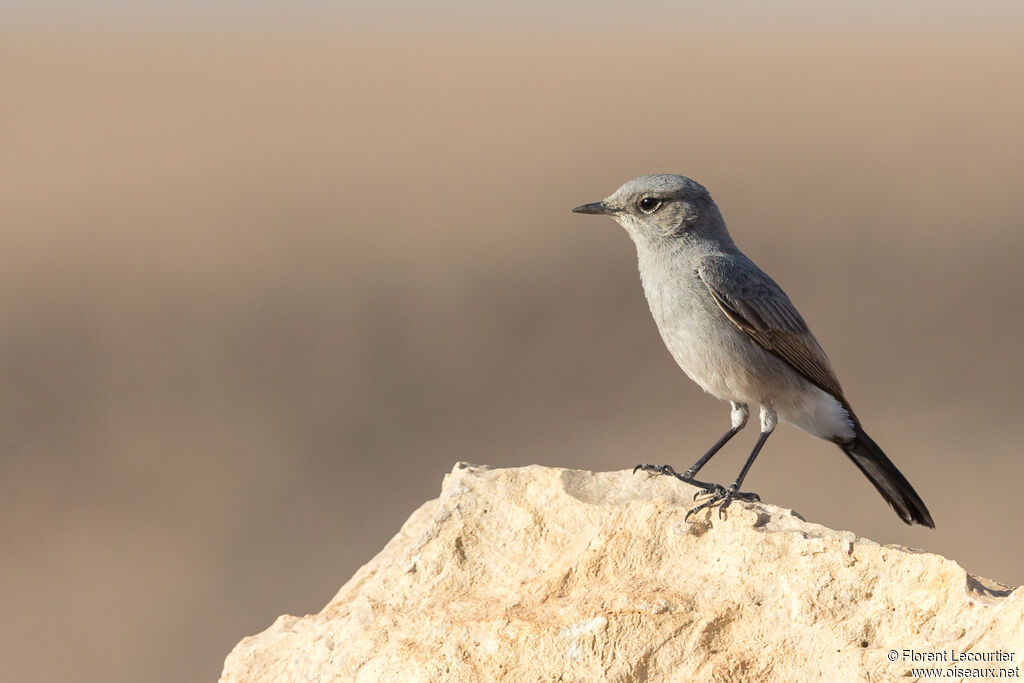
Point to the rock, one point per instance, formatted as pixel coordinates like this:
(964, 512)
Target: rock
(540, 574)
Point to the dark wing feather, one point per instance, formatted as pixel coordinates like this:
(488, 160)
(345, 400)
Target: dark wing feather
(759, 307)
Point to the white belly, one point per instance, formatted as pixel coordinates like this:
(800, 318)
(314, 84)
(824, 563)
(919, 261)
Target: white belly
(714, 357)
(727, 364)
(722, 359)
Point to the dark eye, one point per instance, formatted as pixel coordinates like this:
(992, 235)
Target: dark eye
(649, 204)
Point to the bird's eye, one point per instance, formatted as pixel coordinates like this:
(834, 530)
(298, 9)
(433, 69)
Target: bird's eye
(649, 204)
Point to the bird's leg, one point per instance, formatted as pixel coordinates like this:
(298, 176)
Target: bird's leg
(740, 414)
(722, 497)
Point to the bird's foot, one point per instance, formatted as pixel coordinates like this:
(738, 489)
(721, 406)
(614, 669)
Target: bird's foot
(720, 497)
(706, 488)
(658, 469)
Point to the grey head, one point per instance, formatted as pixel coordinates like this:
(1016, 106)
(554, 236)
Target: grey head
(663, 208)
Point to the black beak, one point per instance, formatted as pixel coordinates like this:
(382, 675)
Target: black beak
(599, 208)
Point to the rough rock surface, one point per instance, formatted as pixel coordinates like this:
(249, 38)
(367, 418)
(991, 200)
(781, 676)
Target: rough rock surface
(541, 574)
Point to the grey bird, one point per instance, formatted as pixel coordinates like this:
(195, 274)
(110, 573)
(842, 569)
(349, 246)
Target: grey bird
(735, 333)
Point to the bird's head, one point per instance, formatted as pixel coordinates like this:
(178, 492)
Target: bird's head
(662, 207)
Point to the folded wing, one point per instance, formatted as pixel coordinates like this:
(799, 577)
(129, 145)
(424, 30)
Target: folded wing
(759, 307)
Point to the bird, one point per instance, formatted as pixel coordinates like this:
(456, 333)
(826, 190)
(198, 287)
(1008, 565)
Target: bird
(735, 333)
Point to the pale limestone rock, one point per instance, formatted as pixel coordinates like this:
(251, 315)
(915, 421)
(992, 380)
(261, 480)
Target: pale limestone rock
(540, 574)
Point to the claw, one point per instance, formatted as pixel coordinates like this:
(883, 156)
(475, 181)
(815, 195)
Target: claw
(695, 509)
(720, 497)
(707, 489)
(658, 469)
(717, 494)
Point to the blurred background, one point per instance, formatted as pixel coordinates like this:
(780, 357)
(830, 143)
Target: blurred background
(268, 271)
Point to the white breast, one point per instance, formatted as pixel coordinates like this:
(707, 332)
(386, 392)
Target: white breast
(710, 353)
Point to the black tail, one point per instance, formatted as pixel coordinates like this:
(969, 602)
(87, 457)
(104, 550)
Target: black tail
(889, 481)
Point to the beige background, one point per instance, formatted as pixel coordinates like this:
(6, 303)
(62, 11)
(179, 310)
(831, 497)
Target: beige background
(264, 279)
